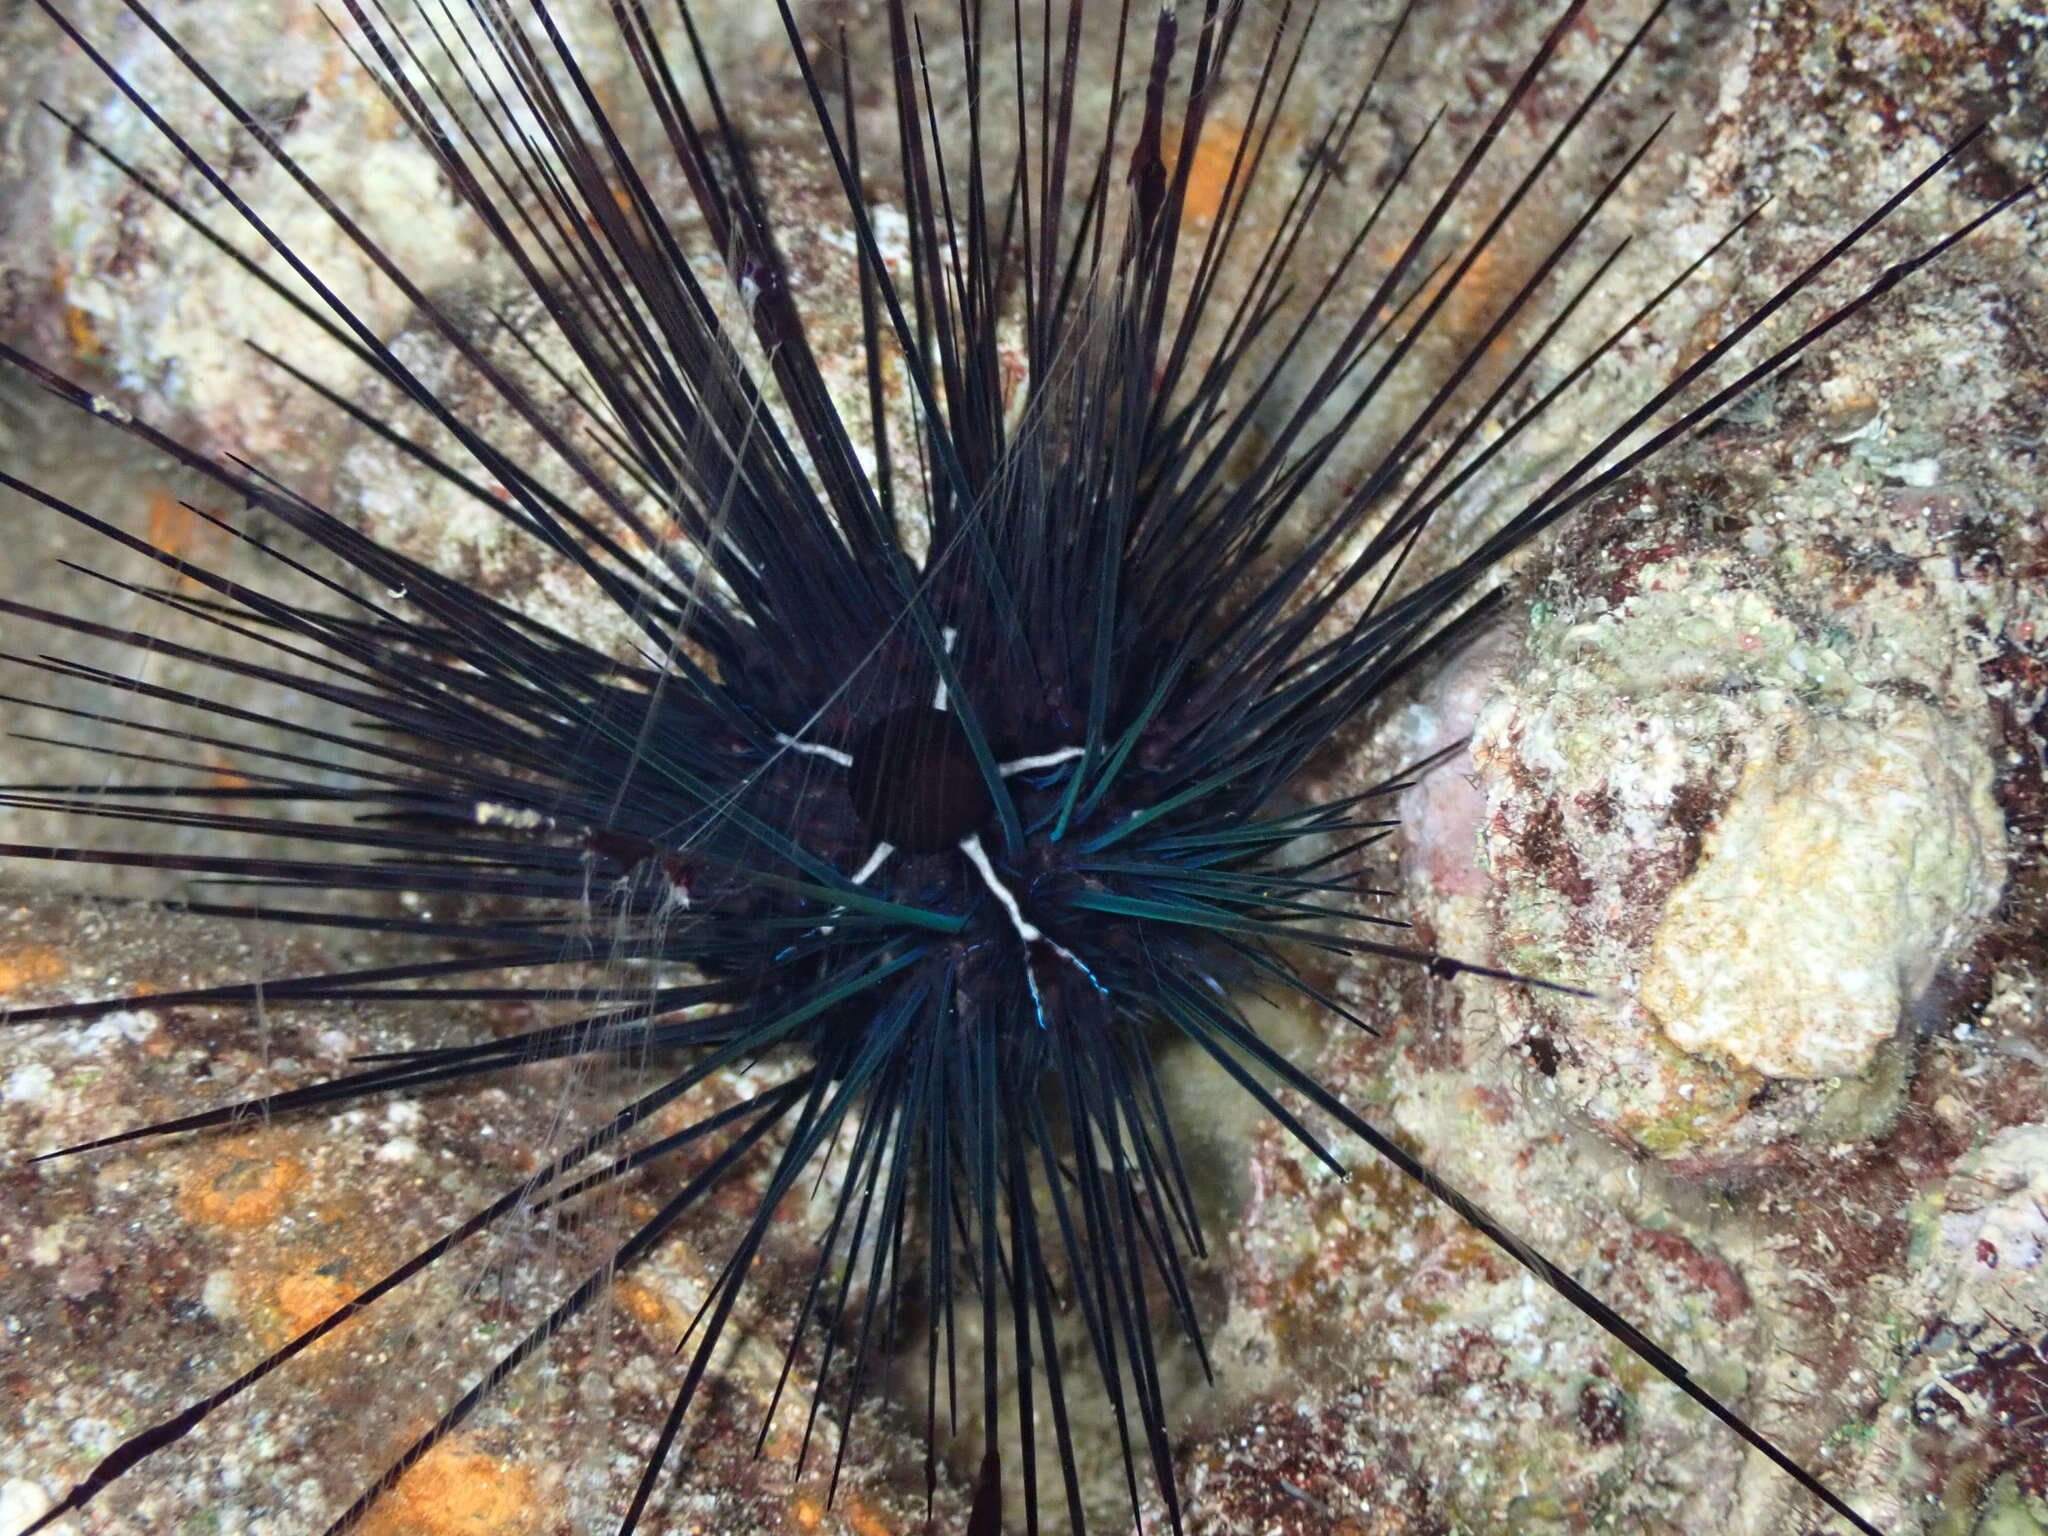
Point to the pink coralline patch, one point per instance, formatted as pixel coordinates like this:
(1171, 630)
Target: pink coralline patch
(1445, 809)
(1492, 1105)
(1442, 811)
(1709, 1273)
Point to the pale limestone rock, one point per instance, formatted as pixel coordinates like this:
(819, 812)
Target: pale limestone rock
(1845, 869)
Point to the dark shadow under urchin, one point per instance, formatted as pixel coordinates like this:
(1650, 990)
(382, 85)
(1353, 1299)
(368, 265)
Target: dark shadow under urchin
(1065, 647)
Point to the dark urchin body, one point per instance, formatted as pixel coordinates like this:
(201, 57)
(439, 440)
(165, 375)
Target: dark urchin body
(952, 790)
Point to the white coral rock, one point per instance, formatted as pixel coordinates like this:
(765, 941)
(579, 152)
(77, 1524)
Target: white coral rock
(1846, 868)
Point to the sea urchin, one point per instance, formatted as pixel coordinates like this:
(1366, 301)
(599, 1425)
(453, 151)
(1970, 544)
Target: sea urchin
(952, 762)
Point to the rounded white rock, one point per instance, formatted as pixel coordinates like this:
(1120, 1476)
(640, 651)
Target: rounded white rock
(1847, 867)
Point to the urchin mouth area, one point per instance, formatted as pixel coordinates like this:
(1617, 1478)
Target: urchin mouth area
(879, 822)
(914, 781)
(926, 810)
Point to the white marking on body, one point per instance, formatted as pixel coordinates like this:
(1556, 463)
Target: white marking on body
(875, 861)
(939, 700)
(1028, 931)
(1042, 760)
(978, 857)
(812, 749)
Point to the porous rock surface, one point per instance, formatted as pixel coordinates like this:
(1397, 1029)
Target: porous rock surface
(1382, 1369)
(1752, 817)
(1845, 676)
